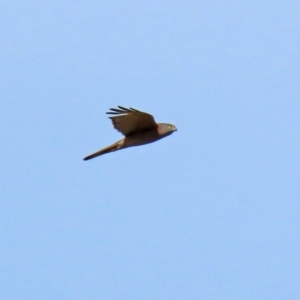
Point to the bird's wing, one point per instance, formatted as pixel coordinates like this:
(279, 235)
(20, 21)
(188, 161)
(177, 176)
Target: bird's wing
(129, 120)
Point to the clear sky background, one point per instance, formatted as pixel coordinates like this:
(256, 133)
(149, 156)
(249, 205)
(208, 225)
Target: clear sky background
(210, 212)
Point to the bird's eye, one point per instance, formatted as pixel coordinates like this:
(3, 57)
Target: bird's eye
(169, 126)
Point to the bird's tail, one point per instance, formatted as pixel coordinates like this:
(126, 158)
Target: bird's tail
(111, 148)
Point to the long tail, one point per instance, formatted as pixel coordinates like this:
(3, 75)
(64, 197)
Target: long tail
(116, 146)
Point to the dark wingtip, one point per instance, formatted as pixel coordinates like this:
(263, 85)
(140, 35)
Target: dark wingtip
(121, 110)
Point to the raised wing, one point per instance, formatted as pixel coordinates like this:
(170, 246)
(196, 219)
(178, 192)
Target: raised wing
(130, 120)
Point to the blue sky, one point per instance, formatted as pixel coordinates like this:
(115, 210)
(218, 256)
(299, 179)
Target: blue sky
(211, 212)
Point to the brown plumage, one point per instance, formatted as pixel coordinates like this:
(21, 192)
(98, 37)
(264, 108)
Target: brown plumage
(138, 127)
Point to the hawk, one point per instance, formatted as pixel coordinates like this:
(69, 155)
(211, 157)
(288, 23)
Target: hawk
(139, 128)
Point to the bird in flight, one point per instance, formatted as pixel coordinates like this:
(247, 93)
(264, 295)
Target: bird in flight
(139, 128)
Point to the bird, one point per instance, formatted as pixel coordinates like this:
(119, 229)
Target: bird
(138, 128)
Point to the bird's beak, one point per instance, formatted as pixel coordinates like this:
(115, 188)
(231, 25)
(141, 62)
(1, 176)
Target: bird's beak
(175, 128)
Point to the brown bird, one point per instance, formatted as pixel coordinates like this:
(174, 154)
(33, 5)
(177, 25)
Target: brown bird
(138, 127)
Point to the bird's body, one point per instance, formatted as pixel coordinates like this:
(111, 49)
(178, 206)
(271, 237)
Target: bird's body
(139, 128)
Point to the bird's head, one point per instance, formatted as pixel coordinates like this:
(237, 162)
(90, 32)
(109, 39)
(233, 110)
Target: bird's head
(166, 129)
